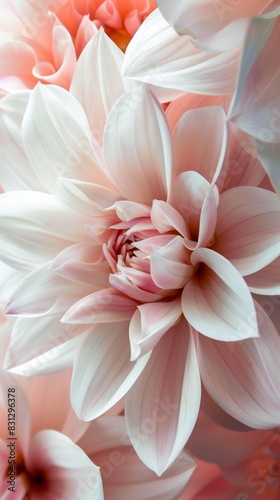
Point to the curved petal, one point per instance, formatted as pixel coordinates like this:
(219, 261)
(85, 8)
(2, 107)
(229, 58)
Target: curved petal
(104, 306)
(169, 269)
(186, 102)
(200, 142)
(243, 377)
(64, 146)
(267, 280)
(106, 80)
(33, 337)
(149, 323)
(158, 56)
(64, 58)
(255, 106)
(16, 172)
(43, 291)
(35, 227)
(137, 147)
(17, 60)
(248, 228)
(64, 467)
(165, 218)
(102, 372)
(204, 18)
(217, 301)
(162, 408)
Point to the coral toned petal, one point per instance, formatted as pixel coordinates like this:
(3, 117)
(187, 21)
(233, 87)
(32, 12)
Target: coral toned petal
(243, 377)
(64, 58)
(267, 280)
(28, 242)
(163, 405)
(17, 60)
(169, 269)
(268, 154)
(13, 396)
(217, 301)
(106, 80)
(172, 64)
(200, 142)
(186, 102)
(149, 323)
(248, 228)
(105, 306)
(64, 146)
(16, 172)
(43, 334)
(137, 147)
(103, 372)
(255, 106)
(65, 468)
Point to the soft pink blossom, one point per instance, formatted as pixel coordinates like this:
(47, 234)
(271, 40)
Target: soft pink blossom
(133, 240)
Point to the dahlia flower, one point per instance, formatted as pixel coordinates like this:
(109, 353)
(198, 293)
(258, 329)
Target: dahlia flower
(42, 40)
(58, 456)
(133, 237)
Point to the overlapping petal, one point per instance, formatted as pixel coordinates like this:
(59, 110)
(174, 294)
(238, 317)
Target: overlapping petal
(103, 372)
(255, 106)
(28, 241)
(163, 405)
(248, 228)
(64, 146)
(137, 147)
(171, 64)
(217, 301)
(243, 377)
(149, 323)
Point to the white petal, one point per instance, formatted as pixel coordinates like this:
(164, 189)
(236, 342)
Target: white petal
(16, 172)
(137, 147)
(163, 405)
(158, 56)
(35, 227)
(64, 146)
(217, 301)
(102, 372)
(96, 85)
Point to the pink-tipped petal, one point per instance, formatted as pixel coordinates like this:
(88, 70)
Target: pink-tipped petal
(149, 323)
(243, 377)
(169, 268)
(217, 301)
(266, 281)
(268, 154)
(103, 372)
(137, 147)
(165, 218)
(163, 405)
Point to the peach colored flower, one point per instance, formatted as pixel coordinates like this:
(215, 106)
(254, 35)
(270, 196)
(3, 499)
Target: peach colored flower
(132, 238)
(42, 40)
